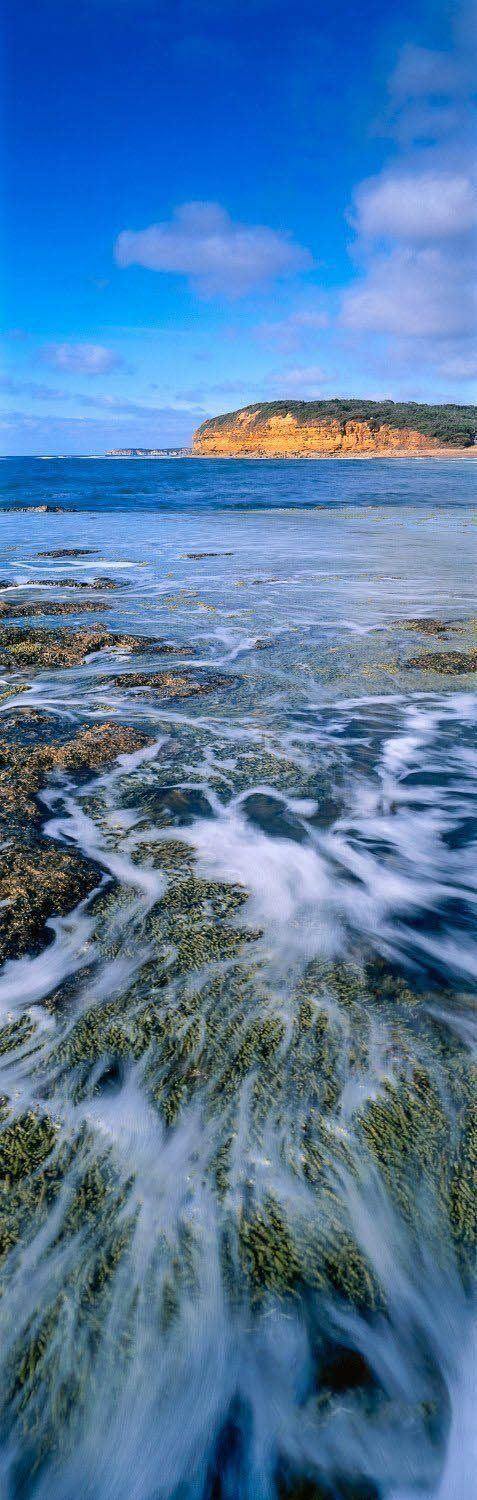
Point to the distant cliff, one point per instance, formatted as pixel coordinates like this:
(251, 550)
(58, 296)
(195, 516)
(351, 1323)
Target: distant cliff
(299, 429)
(148, 453)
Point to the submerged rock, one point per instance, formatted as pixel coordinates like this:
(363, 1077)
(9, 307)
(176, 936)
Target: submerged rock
(463, 1189)
(24, 1146)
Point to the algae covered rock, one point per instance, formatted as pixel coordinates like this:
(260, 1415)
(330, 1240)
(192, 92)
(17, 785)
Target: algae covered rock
(173, 684)
(37, 883)
(451, 663)
(39, 647)
(269, 1256)
(37, 608)
(24, 769)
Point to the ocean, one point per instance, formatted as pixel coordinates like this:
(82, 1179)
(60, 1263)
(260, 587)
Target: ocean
(237, 1036)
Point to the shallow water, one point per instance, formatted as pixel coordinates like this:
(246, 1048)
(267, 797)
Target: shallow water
(236, 1279)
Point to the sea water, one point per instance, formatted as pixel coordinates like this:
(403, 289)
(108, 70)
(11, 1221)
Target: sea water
(333, 785)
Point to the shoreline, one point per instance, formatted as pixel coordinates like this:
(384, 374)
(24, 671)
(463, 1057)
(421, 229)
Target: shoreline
(400, 453)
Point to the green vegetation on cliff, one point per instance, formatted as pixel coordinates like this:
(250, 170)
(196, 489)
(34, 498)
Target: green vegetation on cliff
(449, 424)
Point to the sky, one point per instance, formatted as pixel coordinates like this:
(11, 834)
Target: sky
(217, 202)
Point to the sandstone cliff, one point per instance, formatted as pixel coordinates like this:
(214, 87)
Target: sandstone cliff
(302, 429)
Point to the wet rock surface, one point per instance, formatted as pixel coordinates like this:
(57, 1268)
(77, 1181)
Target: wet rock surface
(38, 879)
(35, 884)
(425, 625)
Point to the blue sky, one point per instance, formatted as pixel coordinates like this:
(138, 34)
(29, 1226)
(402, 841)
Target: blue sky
(221, 201)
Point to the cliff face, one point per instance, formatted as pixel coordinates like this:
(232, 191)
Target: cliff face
(252, 433)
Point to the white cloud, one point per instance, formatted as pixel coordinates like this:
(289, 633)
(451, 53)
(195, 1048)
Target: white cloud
(411, 293)
(217, 255)
(416, 206)
(81, 359)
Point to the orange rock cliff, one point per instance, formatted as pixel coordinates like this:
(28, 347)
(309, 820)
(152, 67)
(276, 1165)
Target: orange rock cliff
(263, 431)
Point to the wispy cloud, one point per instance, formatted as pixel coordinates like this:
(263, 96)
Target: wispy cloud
(428, 95)
(34, 389)
(425, 73)
(218, 256)
(97, 401)
(301, 380)
(81, 359)
(165, 426)
(295, 329)
(215, 389)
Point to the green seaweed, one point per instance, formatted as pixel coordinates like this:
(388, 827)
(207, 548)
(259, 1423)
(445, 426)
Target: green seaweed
(463, 1189)
(406, 1130)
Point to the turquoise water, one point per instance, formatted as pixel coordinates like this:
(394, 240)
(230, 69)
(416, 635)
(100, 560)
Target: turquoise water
(334, 785)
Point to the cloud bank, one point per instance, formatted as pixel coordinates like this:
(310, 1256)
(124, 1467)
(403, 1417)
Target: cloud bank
(416, 223)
